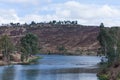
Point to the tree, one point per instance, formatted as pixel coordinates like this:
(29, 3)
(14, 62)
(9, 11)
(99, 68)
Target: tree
(33, 23)
(29, 45)
(54, 21)
(101, 38)
(6, 46)
(101, 26)
(113, 51)
(107, 42)
(18, 24)
(115, 33)
(61, 49)
(12, 24)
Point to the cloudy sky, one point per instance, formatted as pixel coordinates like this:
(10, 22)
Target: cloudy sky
(87, 12)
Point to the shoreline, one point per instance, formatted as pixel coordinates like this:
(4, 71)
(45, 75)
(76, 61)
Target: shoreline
(72, 54)
(111, 72)
(30, 61)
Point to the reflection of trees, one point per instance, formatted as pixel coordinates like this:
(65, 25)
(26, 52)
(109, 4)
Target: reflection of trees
(31, 75)
(8, 73)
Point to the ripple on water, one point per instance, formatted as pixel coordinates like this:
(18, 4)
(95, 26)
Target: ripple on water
(54, 67)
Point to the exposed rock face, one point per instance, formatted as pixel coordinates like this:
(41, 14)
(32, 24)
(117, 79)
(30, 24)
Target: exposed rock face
(74, 39)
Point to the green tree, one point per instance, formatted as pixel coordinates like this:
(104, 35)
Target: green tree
(101, 38)
(107, 42)
(54, 21)
(6, 46)
(29, 45)
(115, 33)
(61, 49)
(33, 23)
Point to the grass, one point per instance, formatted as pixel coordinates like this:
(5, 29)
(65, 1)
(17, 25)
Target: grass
(34, 59)
(31, 60)
(103, 77)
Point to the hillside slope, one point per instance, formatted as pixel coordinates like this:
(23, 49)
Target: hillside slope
(69, 39)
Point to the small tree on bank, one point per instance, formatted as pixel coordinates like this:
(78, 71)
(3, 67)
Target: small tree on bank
(29, 45)
(61, 49)
(6, 47)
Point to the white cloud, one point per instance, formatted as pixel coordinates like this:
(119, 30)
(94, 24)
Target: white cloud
(26, 1)
(90, 11)
(19, 1)
(87, 14)
(22, 2)
(49, 1)
(71, 10)
(7, 16)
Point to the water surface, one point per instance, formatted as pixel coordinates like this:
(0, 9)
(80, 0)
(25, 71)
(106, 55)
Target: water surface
(53, 67)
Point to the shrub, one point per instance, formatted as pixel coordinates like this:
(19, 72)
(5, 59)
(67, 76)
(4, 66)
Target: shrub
(103, 77)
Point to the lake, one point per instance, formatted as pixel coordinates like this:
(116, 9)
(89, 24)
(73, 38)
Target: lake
(54, 67)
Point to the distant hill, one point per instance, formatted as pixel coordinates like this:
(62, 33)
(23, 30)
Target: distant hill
(68, 39)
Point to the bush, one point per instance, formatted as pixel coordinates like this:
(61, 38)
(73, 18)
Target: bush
(62, 49)
(103, 77)
(118, 76)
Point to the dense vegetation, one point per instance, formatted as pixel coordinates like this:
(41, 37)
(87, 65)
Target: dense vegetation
(110, 43)
(109, 39)
(28, 46)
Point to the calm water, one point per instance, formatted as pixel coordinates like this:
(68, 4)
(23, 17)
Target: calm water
(53, 67)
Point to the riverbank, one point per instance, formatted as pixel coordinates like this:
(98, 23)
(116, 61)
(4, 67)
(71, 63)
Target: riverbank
(110, 72)
(74, 54)
(31, 59)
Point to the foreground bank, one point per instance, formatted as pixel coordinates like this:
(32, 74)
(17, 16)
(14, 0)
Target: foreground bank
(16, 59)
(111, 72)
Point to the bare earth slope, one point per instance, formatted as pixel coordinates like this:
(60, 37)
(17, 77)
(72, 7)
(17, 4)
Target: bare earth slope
(75, 39)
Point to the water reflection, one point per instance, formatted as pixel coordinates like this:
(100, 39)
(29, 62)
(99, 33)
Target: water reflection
(68, 76)
(31, 75)
(53, 68)
(8, 73)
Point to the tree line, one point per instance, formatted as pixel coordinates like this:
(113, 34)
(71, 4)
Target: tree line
(33, 23)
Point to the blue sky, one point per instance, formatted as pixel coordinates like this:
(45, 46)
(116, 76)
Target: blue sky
(87, 12)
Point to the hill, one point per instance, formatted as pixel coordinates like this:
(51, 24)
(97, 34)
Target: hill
(68, 39)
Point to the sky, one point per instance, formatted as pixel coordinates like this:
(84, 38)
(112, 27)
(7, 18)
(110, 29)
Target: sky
(86, 12)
